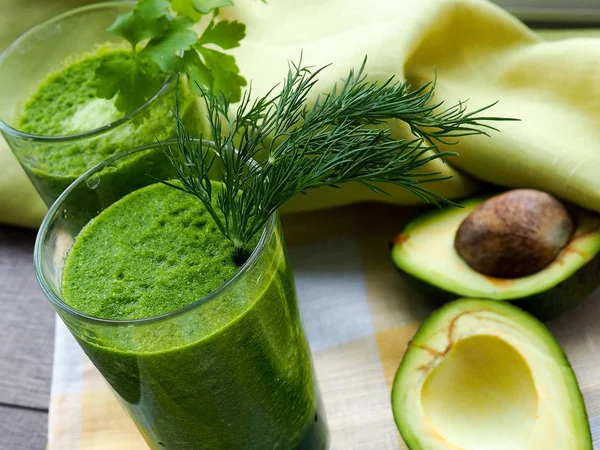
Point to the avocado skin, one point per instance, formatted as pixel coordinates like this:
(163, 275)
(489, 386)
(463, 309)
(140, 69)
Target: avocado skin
(545, 306)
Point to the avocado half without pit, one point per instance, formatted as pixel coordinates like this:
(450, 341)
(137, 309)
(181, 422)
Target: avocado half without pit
(522, 246)
(485, 375)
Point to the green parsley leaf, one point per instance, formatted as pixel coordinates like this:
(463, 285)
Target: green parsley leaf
(205, 6)
(178, 37)
(186, 8)
(225, 34)
(148, 20)
(198, 73)
(216, 69)
(225, 74)
(130, 79)
(167, 26)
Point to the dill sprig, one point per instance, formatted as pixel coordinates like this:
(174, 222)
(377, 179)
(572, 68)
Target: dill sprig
(275, 147)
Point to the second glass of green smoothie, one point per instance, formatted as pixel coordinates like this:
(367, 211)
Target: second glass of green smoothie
(202, 353)
(50, 114)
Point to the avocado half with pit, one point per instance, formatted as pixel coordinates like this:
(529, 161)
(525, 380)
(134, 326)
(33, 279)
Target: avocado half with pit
(425, 254)
(487, 375)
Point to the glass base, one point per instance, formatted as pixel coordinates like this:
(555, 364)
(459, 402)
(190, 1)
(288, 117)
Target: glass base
(317, 435)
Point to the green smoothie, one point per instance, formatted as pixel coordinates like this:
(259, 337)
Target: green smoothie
(231, 372)
(65, 104)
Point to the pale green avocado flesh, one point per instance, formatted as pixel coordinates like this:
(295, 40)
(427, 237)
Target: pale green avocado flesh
(424, 252)
(485, 375)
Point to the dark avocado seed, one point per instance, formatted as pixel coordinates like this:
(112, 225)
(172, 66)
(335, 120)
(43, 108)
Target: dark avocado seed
(514, 234)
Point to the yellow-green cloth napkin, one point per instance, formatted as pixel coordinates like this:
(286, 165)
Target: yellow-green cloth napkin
(481, 53)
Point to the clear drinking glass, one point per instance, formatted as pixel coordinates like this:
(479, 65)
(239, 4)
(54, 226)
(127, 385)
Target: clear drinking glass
(47, 49)
(243, 382)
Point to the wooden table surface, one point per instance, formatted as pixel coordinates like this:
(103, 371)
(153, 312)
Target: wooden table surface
(26, 345)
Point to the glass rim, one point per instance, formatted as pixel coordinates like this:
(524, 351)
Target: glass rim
(6, 128)
(55, 209)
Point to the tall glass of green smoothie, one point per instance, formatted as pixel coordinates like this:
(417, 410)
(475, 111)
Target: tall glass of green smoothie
(202, 353)
(52, 116)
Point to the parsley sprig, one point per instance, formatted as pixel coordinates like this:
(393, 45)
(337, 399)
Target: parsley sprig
(160, 34)
(338, 139)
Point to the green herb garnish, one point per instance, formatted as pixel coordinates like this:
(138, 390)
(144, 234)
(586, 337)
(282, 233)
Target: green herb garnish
(165, 27)
(338, 139)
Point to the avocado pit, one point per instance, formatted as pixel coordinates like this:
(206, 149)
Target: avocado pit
(514, 234)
